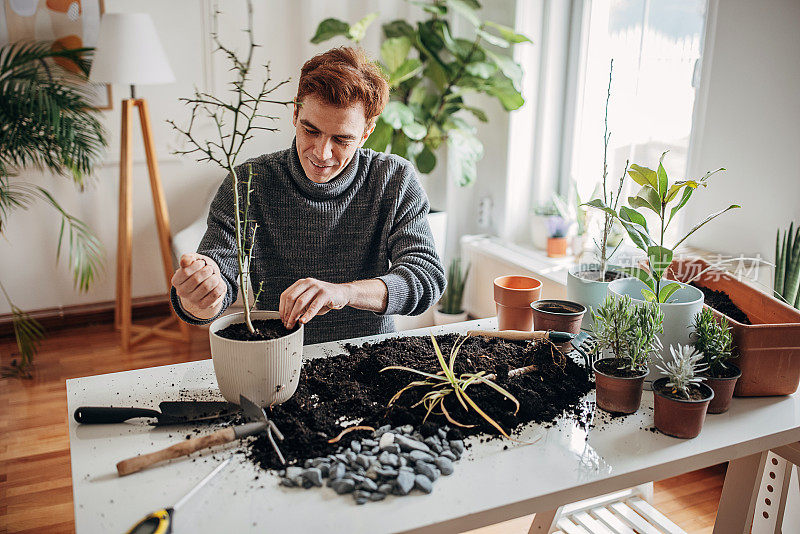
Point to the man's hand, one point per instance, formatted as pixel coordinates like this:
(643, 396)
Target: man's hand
(309, 297)
(199, 285)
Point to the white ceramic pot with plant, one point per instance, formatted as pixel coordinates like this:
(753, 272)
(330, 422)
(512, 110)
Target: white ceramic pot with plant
(451, 306)
(266, 372)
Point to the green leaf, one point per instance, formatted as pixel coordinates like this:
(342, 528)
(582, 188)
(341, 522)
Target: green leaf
(394, 52)
(492, 39)
(481, 70)
(687, 194)
(641, 274)
(415, 131)
(599, 204)
(507, 66)
(706, 220)
(397, 115)
(660, 259)
(437, 74)
(359, 29)
(330, 28)
(508, 96)
(399, 28)
(643, 176)
(435, 9)
(426, 160)
(478, 113)
(636, 231)
(629, 215)
(409, 69)
(508, 34)
(677, 186)
(646, 198)
(466, 9)
(648, 295)
(667, 291)
(381, 136)
(663, 181)
(400, 143)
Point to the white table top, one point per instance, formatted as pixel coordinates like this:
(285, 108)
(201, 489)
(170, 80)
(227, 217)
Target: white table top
(489, 485)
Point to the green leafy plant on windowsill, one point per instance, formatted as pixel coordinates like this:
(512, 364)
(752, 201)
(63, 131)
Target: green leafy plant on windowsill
(430, 71)
(656, 194)
(48, 123)
(786, 283)
(452, 301)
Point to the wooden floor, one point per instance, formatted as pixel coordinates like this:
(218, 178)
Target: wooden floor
(35, 478)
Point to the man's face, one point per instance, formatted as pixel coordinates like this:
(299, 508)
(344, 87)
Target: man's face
(327, 136)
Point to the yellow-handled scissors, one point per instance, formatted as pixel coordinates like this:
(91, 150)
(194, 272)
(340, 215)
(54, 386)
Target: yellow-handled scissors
(160, 522)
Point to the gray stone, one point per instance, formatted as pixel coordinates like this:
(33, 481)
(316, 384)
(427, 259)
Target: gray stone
(344, 485)
(403, 462)
(386, 440)
(372, 472)
(387, 458)
(361, 496)
(406, 429)
(308, 463)
(405, 482)
(366, 442)
(325, 468)
(362, 460)
(341, 457)
(355, 477)
(423, 468)
(350, 457)
(419, 456)
(306, 483)
(313, 475)
(368, 485)
(387, 472)
(337, 471)
(355, 446)
(442, 433)
(385, 488)
(377, 496)
(382, 430)
(457, 446)
(392, 448)
(422, 482)
(445, 465)
(449, 455)
(409, 444)
(288, 482)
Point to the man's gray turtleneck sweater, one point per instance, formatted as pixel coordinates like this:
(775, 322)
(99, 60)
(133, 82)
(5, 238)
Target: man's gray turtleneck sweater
(368, 222)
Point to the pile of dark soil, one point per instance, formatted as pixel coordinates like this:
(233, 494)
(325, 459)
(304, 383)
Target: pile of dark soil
(265, 329)
(594, 275)
(720, 301)
(349, 389)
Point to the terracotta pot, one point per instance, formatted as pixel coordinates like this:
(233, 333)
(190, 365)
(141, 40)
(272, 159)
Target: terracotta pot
(723, 391)
(558, 315)
(617, 394)
(767, 351)
(677, 417)
(513, 296)
(556, 247)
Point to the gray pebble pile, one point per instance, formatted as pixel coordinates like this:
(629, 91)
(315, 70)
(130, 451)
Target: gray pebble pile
(394, 461)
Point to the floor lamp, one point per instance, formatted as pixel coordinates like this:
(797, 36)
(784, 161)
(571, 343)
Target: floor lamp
(129, 52)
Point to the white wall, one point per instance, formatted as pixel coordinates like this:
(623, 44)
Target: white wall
(748, 121)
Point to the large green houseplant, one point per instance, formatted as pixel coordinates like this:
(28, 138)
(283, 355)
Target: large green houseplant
(430, 71)
(47, 122)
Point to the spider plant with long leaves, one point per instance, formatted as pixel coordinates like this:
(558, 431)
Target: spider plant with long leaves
(445, 383)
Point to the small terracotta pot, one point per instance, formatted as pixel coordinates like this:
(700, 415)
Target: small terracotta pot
(618, 394)
(723, 391)
(513, 296)
(558, 315)
(680, 418)
(556, 247)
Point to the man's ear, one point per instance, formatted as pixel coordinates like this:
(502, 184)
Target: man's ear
(297, 105)
(368, 131)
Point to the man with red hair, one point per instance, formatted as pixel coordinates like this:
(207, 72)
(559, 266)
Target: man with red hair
(340, 227)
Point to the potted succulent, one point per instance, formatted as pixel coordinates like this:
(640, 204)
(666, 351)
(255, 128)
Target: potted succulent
(451, 309)
(681, 399)
(587, 283)
(712, 338)
(629, 332)
(253, 354)
(557, 229)
(679, 302)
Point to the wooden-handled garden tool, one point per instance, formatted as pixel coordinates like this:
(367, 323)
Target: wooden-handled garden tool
(259, 423)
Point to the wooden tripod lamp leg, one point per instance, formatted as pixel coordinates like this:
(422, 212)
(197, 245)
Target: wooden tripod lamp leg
(159, 203)
(125, 226)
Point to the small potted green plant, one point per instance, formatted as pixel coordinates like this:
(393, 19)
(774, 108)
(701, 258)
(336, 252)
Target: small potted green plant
(451, 306)
(680, 398)
(714, 340)
(629, 332)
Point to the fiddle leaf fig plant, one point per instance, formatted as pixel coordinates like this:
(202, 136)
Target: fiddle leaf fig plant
(664, 199)
(429, 72)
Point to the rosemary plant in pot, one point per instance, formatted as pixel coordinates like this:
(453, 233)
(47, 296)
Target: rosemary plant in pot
(253, 354)
(587, 283)
(680, 398)
(714, 340)
(451, 306)
(679, 302)
(628, 332)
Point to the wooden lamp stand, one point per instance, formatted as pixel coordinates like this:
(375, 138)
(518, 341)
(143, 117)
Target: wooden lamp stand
(123, 320)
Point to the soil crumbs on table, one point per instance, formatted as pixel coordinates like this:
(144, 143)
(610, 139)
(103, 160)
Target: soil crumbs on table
(720, 301)
(349, 389)
(264, 329)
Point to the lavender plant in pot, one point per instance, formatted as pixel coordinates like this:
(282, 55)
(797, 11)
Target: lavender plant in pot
(628, 332)
(714, 340)
(253, 354)
(557, 230)
(451, 305)
(680, 398)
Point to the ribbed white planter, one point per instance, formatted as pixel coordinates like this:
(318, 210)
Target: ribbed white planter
(679, 313)
(440, 318)
(587, 292)
(266, 372)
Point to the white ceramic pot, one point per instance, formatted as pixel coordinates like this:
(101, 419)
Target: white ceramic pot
(587, 292)
(266, 372)
(679, 314)
(440, 318)
(539, 233)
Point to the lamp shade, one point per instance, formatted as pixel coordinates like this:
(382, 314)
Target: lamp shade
(128, 51)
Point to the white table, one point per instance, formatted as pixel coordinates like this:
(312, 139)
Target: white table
(489, 485)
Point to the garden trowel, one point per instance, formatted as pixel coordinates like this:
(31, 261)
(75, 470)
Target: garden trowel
(171, 413)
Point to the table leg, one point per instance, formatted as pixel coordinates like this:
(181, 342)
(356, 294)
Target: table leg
(739, 494)
(543, 522)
